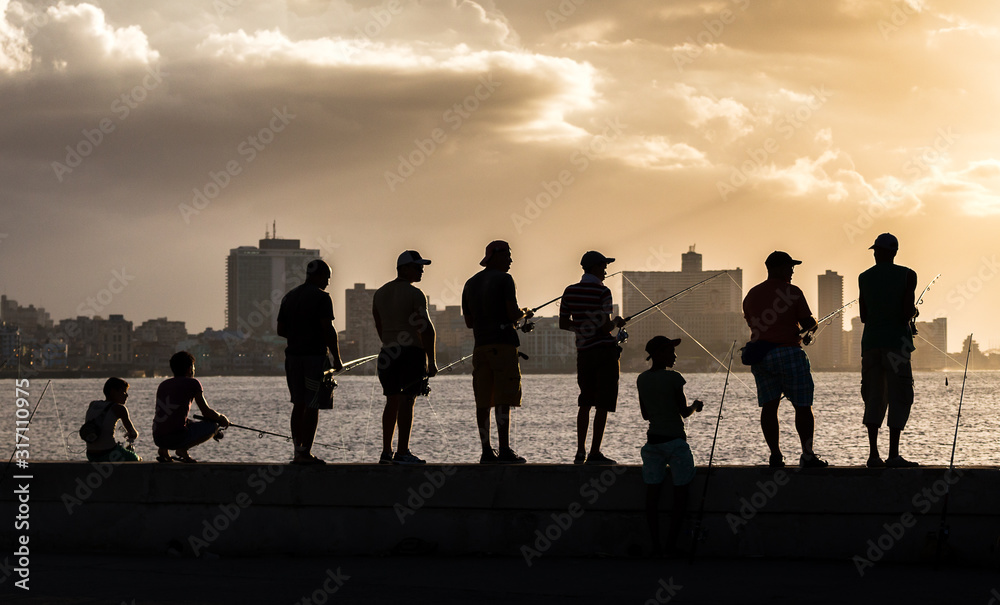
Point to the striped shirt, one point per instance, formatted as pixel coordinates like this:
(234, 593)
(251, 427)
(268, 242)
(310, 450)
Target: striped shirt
(588, 305)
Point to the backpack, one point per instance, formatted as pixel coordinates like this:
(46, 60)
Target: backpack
(90, 431)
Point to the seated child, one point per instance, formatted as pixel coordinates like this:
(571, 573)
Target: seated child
(172, 430)
(662, 402)
(107, 413)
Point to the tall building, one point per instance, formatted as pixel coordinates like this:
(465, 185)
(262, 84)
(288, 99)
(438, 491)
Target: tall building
(827, 353)
(256, 280)
(931, 344)
(359, 325)
(26, 318)
(711, 313)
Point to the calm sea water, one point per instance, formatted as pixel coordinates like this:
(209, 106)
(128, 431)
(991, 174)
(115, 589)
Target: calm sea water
(544, 431)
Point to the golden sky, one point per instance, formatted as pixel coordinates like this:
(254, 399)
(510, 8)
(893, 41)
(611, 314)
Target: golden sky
(148, 139)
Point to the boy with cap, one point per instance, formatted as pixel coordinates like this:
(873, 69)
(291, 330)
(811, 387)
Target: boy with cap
(489, 305)
(887, 293)
(586, 309)
(407, 355)
(662, 403)
(778, 316)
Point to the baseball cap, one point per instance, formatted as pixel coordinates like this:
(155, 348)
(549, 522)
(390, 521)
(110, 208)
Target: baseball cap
(660, 343)
(494, 246)
(411, 257)
(780, 259)
(886, 241)
(592, 258)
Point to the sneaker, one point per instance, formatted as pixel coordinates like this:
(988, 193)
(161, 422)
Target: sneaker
(599, 458)
(812, 461)
(900, 462)
(875, 462)
(406, 458)
(776, 461)
(509, 456)
(489, 457)
(580, 458)
(385, 458)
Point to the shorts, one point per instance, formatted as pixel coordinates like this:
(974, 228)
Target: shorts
(657, 456)
(304, 374)
(402, 370)
(115, 454)
(192, 434)
(784, 370)
(597, 373)
(496, 376)
(886, 383)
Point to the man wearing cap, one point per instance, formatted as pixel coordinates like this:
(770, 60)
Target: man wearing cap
(489, 305)
(663, 404)
(887, 306)
(586, 309)
(778, 315)
(305, 319)
(407, 355)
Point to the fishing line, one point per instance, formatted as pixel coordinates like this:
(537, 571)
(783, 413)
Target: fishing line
(262, 432)
(32, 415)
(55, 404)
(945, 353)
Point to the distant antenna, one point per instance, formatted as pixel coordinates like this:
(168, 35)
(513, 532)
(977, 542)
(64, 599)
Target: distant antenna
(274, 230)
(691, 249)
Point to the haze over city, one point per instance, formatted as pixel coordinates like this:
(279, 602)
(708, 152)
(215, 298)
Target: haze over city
(140, 143)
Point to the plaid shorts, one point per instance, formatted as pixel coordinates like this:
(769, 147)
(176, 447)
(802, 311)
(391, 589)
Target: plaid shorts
(784, 370)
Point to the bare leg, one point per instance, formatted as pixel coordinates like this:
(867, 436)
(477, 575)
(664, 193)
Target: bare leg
(503, 427)
(304, 422)
(873, 442)
(600, 421)
(769, 426)
(582, 423)
(483, 421)
(894, 441)
(389, 416)
(405, 422)
(804, 424)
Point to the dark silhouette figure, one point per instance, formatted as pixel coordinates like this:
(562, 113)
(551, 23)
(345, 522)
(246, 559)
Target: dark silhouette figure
(887, 308)
(778, 315)
(407, 355)
(489, 305)
(305, 319)
(586, 310)
(172, 429)
(106, 415)
(663, 404)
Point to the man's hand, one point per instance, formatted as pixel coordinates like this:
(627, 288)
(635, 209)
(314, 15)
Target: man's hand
(432, 368)
(222, 420)
(527, 313)
(698, 405)
(619, 321)
(338, 365)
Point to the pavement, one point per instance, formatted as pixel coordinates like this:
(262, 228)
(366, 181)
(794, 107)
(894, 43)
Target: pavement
(77, 579)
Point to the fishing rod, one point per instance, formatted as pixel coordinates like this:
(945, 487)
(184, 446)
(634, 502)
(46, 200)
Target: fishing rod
(262, 432)
(944, 529)
(808, 335)
(329, 381)
(528, 326)
(622, 336)
(32, 415)
(920, 301)
(711, 456)
(425, 388)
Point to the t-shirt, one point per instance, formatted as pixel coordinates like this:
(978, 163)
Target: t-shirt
(174, 397)
(107, 439)
(402, 309)
(886, 289)
(305, 312)
(485, 297)
(588, 305)
(774, 310)
(659, 396)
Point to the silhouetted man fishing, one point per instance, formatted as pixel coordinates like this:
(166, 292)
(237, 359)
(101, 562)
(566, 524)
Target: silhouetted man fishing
(489, 305)
(778, 314)
(887, 303)
(305, 319)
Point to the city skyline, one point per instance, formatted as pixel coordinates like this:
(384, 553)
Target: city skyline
(142, 143)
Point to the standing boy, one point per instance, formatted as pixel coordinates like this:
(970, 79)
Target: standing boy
(662, 402)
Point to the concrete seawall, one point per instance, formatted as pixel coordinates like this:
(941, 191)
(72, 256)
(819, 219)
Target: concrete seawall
(529, 510)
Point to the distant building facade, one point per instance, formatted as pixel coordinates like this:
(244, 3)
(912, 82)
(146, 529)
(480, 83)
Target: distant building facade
(256, 280)
(711, 313)
(827, 353)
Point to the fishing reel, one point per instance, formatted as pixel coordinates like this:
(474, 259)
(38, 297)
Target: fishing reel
(424, 388)
(527, 326)
(622, 337)
(328, 380)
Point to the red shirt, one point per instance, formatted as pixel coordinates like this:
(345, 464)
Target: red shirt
(774, 310)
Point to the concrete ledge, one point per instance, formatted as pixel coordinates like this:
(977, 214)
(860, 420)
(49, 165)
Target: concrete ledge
(526, 510)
